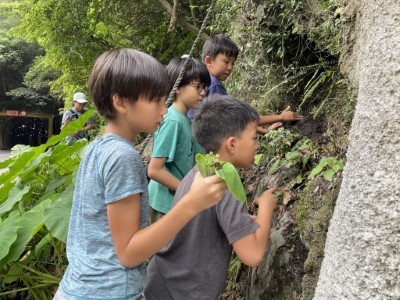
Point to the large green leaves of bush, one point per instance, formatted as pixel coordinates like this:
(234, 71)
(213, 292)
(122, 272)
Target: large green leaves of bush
(35, 199)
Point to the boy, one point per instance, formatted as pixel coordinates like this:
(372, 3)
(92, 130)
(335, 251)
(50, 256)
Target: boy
(78, 108)
(195, 264)
(108, 238)
(219, 54)
(174, 147)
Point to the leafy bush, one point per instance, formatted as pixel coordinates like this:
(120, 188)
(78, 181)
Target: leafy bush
(35, 201)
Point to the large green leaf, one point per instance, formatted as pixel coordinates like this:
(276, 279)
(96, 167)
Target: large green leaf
(29, 224)
(15, 195)
(54, 184)
(4, 190)
(17, 166)
(8, 234)
(17, 150)
(56, 216)
(4, 164)
(35, 163)
(210, 164)
(72, 127)
(232, 179)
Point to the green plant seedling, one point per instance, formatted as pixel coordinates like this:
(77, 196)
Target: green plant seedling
(209, 164)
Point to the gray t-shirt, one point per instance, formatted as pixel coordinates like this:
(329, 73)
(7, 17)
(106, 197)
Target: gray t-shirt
(110, 170)
(195, 264)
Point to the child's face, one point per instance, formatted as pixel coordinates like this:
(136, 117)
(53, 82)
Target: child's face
(246, 146)
(191, 94)
(221, 66)
(145, 116)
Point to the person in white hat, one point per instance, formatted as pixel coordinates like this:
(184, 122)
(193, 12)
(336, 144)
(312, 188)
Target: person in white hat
(78, 108)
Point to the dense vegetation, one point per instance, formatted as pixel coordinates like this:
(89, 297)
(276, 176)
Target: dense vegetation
(289, 56)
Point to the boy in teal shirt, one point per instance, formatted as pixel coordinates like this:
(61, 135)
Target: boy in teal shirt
(174, 147)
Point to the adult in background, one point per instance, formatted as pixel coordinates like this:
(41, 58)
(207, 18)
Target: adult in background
(78, 108)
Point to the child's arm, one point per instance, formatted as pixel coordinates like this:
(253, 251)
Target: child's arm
(251, 248)
(133, 244)
(286, 116)
(262, 130)
(157, 172)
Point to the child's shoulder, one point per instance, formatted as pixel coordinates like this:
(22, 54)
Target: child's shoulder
(114, 147)
(174, 118)
(174, 114)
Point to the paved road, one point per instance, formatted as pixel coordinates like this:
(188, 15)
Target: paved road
(4, 154)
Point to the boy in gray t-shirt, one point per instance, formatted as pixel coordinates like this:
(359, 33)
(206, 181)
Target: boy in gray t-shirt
(194, 264)
(108, 237)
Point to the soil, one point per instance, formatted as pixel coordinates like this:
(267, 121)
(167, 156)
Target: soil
(309, 127)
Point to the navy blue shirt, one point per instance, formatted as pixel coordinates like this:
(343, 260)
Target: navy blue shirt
(216, 87)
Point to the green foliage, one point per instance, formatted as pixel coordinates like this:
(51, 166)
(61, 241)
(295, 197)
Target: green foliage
(209, 164)
(329, 166)
(8, 17)
(283, 148)
(289, 54)
(34, 94)
(225, 13)
(35, 202)
(16, 55)
(74, 33)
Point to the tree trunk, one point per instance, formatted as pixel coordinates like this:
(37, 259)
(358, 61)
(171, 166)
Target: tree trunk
(362, 256)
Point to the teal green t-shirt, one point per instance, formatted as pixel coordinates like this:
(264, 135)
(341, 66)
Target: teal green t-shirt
(173, 140)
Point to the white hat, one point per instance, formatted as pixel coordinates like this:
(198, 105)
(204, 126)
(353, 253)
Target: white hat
(80, 98)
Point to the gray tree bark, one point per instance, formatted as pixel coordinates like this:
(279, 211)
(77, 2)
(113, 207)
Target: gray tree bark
(362, 251)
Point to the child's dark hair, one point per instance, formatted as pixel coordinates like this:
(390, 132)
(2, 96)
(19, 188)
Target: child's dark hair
(219, 117)
(219, 44)
(196, 70)
(129, 74)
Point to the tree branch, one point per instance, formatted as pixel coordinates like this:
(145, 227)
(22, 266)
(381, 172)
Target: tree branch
(182, 21)
(193, 12)
(174, 16)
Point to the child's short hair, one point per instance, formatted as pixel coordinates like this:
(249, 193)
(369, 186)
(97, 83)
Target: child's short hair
(219, 117)
(219, 44)
(196, 70)
(129, 74)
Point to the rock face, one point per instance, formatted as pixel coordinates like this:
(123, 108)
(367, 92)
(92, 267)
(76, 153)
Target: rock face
(362, 257)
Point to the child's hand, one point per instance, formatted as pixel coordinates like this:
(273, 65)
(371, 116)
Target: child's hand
(274, 126)
(288, 115)
(267, 198)
(206, 192)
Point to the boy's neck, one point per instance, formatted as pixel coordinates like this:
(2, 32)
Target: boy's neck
(211, 74)
(181, 107)
(120, 129)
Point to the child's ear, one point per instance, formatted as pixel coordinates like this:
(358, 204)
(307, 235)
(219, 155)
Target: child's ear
(118, 103)
(208, 60)
(230, 144)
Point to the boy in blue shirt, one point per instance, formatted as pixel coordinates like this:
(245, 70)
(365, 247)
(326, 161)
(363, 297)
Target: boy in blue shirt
(219, 54)
(109, 238)
(195, 263)
(174, 147)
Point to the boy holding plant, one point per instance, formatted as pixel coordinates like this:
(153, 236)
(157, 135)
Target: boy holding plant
(195, 263)
(109, 238)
